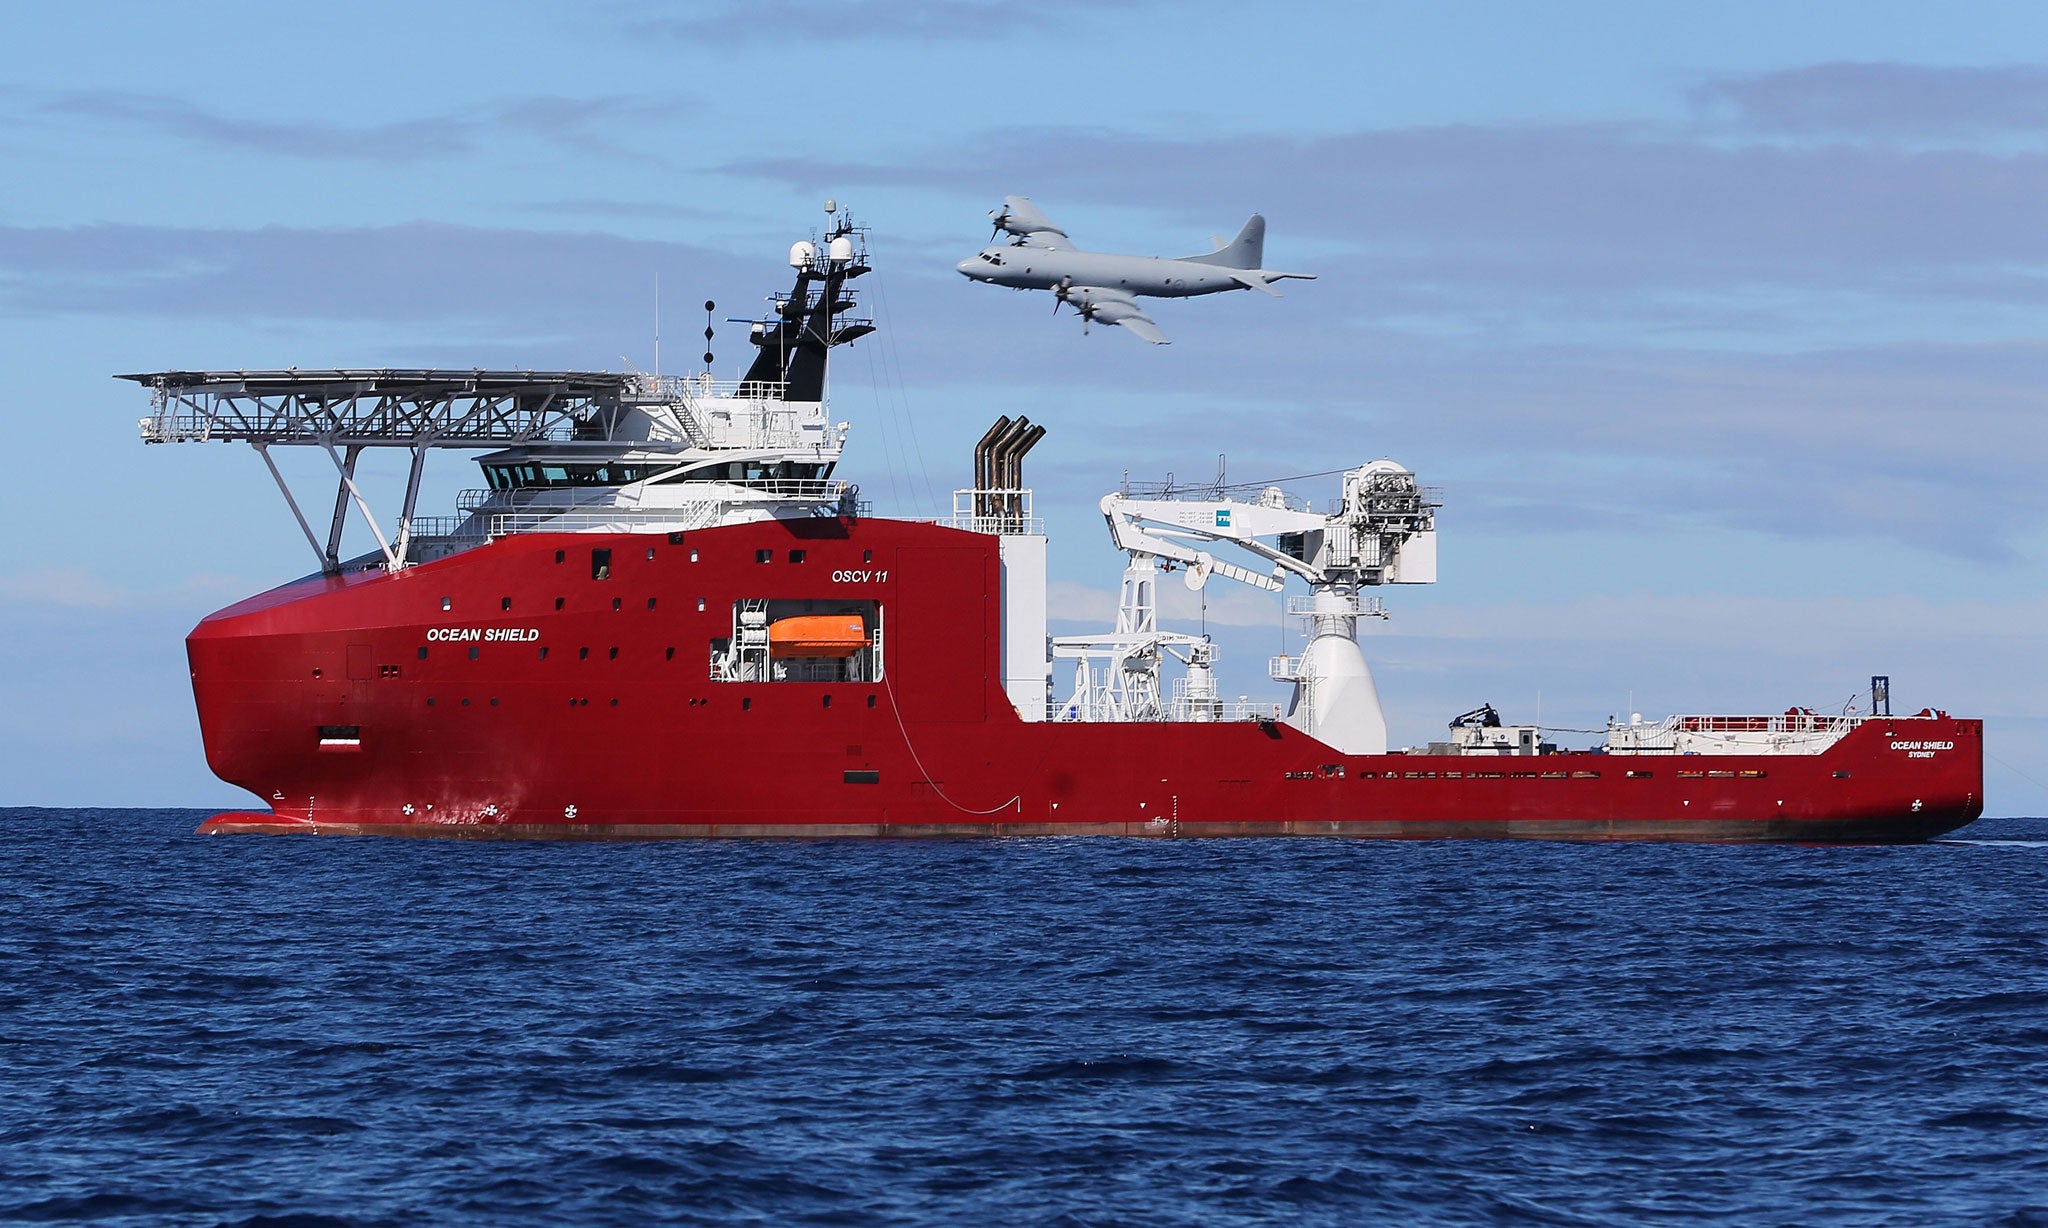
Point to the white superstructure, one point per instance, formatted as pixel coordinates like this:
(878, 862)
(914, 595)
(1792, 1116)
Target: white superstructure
(575, 451)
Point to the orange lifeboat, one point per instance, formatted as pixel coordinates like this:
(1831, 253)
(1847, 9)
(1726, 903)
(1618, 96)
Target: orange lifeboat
(817, 635)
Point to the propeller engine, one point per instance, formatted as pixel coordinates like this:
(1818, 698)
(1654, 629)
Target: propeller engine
(1019, 217)
(1093, 303)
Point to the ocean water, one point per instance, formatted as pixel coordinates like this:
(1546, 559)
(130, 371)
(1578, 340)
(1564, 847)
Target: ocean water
(290, 1031)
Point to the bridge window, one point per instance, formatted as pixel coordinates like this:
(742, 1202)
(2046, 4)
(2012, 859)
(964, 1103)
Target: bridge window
(537, 475)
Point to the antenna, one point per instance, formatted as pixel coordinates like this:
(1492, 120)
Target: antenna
(657, 326)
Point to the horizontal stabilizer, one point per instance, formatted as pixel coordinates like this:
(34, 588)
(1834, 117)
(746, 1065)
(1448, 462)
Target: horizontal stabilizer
(1262, 280)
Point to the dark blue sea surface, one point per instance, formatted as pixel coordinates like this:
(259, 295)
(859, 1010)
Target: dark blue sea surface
(295, 1031)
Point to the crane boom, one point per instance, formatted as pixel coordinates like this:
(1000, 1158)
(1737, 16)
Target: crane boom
(1382, 531)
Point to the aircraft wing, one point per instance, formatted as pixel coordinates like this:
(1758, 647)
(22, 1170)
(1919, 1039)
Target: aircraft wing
(1021, 218)
(1104, 305)
(1144, 328)
(1046, 242)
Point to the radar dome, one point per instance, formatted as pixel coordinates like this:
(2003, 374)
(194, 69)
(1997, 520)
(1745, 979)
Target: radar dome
(802, 253)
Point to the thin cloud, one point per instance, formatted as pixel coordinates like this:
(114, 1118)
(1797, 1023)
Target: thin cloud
(845, 20)
(386, 274)
(1588, 203)
(75, 588)
(578, 122)
(1842, 443)
(1884, 100)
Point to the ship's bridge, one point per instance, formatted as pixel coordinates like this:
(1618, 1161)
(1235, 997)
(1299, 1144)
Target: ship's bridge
(591, 450)
(633, 450)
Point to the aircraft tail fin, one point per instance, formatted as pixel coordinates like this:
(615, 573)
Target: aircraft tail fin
(1246, 251)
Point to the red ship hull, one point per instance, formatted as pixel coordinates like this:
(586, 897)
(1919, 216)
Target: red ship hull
(518, 690)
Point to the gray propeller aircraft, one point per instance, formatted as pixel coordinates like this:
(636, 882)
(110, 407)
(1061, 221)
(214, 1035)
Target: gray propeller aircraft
(1104, 286)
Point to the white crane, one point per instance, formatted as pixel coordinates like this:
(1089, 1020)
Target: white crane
(1383, 531)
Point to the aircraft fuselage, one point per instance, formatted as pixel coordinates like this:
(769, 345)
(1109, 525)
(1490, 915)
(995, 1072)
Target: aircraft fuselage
(1025, 267)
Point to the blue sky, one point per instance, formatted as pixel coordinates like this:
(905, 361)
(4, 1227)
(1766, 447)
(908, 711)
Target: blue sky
(1719, 324)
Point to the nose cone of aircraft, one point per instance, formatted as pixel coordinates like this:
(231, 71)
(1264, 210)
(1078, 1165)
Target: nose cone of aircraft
(967, 267)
